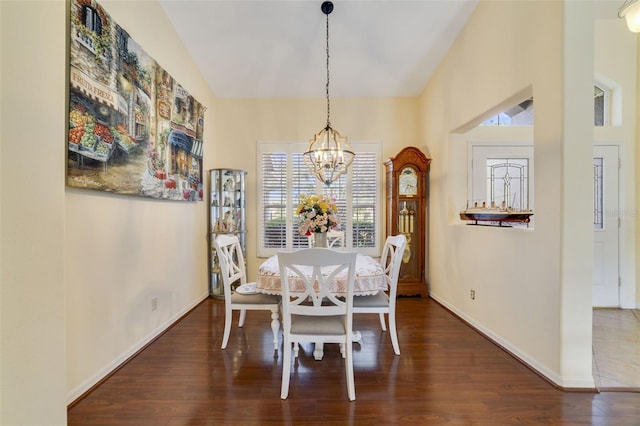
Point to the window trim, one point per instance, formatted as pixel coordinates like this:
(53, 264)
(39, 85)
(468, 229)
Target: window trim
(290, 147)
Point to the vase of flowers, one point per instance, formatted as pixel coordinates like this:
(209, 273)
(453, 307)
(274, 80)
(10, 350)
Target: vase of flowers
(317, 215)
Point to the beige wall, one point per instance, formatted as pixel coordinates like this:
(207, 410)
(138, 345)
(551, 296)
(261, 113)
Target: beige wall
(243, 122)
(79, 268)
(129, 250)
(32, 355)
(509, 49)
(635, 212)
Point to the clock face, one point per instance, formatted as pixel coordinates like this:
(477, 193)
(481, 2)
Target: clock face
(408, 182)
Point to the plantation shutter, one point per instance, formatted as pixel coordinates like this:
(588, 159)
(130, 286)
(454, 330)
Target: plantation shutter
(274, 202)
(338, 191)
(283, 177)
(364, 198)
(303, 183)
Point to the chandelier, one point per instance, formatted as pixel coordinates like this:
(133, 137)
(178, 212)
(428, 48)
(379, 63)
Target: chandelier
(329, 154)
(630, 10)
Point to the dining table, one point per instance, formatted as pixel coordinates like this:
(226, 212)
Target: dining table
(369, 279)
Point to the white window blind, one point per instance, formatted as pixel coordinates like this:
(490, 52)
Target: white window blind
(365, 199)
(284, 176)
(274, 202)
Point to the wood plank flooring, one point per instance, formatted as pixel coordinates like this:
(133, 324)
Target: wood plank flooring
(447, 374)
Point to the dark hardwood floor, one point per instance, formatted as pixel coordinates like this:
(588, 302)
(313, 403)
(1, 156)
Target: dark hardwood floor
(447, 374)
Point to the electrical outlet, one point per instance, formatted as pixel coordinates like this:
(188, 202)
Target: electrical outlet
(154, 303)
(473, 295)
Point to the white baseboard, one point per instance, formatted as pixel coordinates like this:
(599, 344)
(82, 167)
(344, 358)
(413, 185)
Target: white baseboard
(118, 361)
(577, 383)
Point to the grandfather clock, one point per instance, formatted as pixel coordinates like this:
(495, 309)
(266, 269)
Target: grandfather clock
(406, 214)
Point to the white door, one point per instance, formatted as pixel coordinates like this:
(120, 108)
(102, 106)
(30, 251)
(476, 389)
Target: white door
(606, 227)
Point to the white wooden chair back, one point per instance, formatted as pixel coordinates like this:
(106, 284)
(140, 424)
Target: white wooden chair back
(315, 299)
(335, 239)
(231, 262)
(391, 261)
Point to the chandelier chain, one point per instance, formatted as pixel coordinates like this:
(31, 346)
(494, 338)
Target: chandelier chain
(327, 86)
(329, 154)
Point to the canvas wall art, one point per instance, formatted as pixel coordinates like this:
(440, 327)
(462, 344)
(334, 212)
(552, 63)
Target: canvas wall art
(133, 129)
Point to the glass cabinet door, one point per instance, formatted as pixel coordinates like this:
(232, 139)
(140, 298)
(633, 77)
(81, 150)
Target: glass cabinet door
(226, 216)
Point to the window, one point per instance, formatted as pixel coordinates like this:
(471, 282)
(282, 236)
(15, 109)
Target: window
(284, 176)
(522, 114)
(518, 115)
(91, 19)
(508, 182)
(501, 173)
(601, 102)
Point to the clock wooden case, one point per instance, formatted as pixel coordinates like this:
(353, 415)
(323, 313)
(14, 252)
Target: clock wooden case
(406, 192)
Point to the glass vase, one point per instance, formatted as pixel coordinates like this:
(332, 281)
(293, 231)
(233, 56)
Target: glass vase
(320, 239)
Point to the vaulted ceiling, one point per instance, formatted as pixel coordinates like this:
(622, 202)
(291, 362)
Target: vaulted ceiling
(277, 48)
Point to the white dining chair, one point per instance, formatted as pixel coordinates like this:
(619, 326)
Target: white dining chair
(381, 302)
(312, 313)
(232, 269)
(335, 239)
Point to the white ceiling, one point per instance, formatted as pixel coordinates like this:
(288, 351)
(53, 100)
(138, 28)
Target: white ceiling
(276, 48)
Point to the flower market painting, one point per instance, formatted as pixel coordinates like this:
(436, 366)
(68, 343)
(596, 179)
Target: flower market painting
(132, 128)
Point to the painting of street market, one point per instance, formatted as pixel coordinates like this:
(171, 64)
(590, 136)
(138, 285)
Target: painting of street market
(132, 128)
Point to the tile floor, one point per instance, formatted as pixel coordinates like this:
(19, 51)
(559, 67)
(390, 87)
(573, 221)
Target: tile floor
(616, 348)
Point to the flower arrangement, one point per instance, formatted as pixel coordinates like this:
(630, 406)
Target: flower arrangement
(317, 213)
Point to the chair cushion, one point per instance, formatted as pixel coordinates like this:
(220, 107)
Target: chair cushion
(378, 300)
(322, 326)
(255, 299)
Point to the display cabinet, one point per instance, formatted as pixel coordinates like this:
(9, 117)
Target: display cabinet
(226, 216)
(407, 177)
